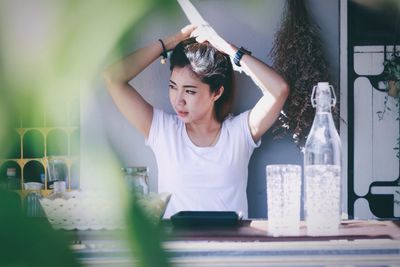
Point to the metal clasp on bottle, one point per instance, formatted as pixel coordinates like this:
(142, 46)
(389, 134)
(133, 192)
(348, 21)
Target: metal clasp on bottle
(313, 98)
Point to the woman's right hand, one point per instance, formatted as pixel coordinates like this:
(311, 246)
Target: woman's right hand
(187, 30)
(206, 33)
(184, 33)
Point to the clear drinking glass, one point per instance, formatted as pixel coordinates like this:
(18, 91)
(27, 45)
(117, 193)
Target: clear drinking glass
(57, 170)
(283, 199)
(32, 205)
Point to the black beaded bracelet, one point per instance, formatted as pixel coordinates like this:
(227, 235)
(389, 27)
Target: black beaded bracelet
(164, 53)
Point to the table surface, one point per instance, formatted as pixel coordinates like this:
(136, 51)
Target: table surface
(358, 243)
(257, 230)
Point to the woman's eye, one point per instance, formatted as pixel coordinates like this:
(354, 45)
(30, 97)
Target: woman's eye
(190, 92)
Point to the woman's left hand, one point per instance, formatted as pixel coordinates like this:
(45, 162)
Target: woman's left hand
(205, 33)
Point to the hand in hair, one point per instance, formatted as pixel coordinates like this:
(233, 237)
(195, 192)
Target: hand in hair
(205, 33)
(184, 33)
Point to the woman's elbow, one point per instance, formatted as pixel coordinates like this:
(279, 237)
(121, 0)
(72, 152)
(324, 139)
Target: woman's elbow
(107, 76)
(111, 78)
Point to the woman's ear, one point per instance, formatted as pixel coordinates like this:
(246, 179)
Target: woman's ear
(217, 94)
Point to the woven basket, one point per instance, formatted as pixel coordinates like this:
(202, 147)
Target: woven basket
(94, 210)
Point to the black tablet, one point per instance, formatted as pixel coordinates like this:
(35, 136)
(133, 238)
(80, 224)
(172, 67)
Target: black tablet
(205, 218)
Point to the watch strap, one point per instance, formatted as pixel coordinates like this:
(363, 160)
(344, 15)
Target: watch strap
(239, 54)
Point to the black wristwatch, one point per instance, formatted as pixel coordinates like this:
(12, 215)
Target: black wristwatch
(239, 54)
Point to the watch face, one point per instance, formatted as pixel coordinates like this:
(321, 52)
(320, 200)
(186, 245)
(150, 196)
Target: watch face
(244, 51)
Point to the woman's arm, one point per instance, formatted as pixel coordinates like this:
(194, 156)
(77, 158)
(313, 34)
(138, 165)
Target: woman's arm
(274, 88)
(275, 91)
(131, 104)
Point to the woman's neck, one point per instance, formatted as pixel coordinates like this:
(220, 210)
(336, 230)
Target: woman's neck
(204, 133)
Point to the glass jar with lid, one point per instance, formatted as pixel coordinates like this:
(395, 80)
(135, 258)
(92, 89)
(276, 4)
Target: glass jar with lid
(136, 179)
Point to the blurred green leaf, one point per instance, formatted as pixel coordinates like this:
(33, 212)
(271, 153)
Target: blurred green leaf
(146, 239)
(52, 52)
(29, 242)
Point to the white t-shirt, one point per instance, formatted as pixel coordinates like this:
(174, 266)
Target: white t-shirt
(202, 178)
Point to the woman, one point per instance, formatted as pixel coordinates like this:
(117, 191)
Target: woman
(202, 153)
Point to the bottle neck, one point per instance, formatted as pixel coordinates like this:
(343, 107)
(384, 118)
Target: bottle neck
(323, 100)
(323, 109)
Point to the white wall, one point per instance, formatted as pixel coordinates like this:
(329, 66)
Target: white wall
(248, 23)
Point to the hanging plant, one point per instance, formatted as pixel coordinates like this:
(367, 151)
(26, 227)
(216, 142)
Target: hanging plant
(391, 74)
(298, 56)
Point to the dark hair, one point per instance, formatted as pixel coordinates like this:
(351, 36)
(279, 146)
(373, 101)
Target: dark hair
(211, 67)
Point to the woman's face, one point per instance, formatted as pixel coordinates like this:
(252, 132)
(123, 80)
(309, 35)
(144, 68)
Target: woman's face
(190, 98)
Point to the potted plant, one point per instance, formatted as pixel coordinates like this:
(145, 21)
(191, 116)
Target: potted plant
(391, 73)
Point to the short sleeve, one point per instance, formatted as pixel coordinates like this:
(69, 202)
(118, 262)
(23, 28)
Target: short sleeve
(244, 122)
(154, 128)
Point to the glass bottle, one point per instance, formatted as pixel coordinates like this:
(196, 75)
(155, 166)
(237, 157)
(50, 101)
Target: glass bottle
(13, 182)
(136, 179)
(322, 166)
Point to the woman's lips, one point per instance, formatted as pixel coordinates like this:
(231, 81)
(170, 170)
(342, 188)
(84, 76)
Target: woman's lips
(182, 113)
